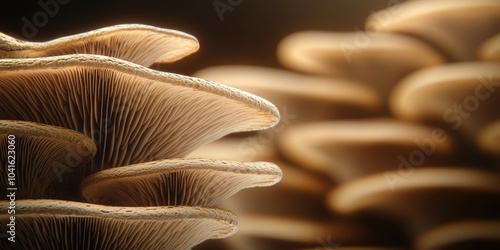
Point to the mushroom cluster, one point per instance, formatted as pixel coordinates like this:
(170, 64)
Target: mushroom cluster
(92, 140)
(389, 137)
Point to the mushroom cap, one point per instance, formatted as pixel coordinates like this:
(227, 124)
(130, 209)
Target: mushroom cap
(303, 97)
(426, 198)
(56, 224)
(177, 182)
(490, 49)
(455, 27)
(460, 95)
(488, 138)
(134, 114)
(48, 161)
(141, 44)
(335, 147)
(375, 59)
(456, 235)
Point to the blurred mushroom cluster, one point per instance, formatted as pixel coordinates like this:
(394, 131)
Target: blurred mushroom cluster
(91, 143)
(389, 137)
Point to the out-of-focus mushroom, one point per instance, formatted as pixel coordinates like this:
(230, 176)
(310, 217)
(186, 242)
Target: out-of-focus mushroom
(488, 138)
(302, 97)
(55, 224)
(350, 149)
(277, 233)
(251, 147)
(177, 182)
(460, 235)
(425, 199)
(459, 96)
(455, 27)
(379, 60)
(358, 248)
(134, 114)
(490, 49)
(141, 44)
(300, 194)
(42, 161)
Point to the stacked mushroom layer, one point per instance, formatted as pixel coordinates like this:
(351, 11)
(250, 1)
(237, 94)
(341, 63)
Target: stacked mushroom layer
(91, 143)
(389, 137)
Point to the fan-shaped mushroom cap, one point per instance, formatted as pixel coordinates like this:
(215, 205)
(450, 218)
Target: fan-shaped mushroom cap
(134, 114)
(456, 27)
(177, 182)
(141, 44)
(376, 59)
(302, 97)
(462, 96)
(47, 161)
(350, 149)
(427, 198)
(488, 138)
(490, 49)
(474, 234)
(55, 224)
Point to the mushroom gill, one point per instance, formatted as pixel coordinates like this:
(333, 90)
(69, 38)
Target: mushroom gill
(133, 114)
(141, 44)
(177, 182)
(56, 224)
(48, 161)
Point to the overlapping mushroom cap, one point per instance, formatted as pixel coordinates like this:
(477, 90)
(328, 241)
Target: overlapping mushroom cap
(141, 44)
(133, 114)
(42, 161)
(57, 224)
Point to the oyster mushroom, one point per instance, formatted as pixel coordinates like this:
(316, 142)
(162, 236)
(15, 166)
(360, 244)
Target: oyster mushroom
(177, 182)
(427, 198)
(55, 224)
(455, 27)
(475, 234)
(460, 96)
(141, 44)
(351, 149)
(134, 114)
(314, 98)
(47, 161)
(379, 60)
(490, 49)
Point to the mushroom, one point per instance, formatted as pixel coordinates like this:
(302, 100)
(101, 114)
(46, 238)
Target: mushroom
(42, 161)
(459, 96)
(427, 198)
(473, 234)
(488, 137)
(177, 182)
(134, 114)
(56, 224)
(276, 233)
(299, 97)
(379, 60)
(490, 49)
(455, 27)
(141, 44)
(350, 149)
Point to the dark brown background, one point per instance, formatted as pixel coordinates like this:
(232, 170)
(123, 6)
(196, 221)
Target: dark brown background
(247, 35)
